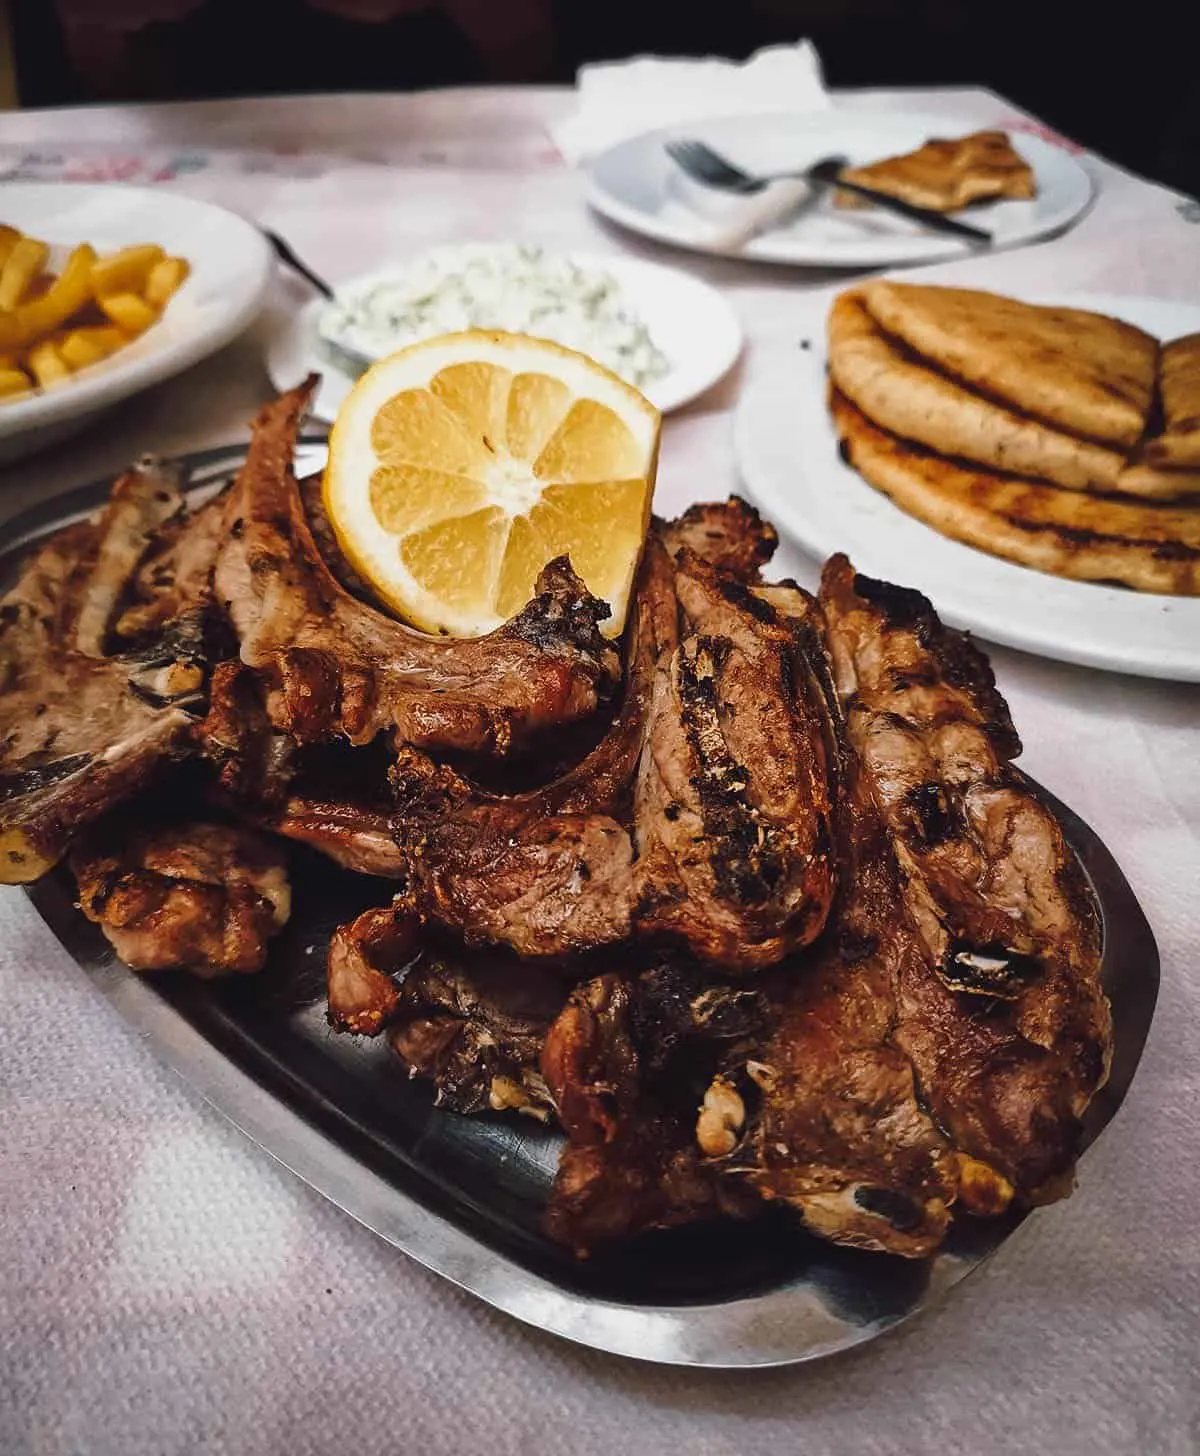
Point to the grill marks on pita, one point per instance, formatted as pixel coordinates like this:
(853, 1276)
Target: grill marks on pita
(1081, 372)
(1026, 432)
(1087, 538)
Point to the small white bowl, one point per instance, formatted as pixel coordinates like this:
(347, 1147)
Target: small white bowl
(693, 325)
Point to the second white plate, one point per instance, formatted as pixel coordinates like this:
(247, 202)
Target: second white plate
(787, 453)
(691, 323)
(637, 185)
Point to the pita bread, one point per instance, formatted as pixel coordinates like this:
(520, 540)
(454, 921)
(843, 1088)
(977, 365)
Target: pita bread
(1152, 482)
(1179, 387)
(1089, 538)
(1082, 372)
(902, 395)
(946, 175)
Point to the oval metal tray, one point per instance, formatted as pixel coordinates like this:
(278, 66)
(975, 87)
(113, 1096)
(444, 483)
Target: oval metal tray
(464, 1195)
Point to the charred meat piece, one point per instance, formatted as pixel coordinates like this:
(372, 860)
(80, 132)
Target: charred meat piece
(141, 503)
(730, 535)
(335, 666)
(823, 1114)
(202, 897)
(626, 1063)
(547, 872)
(1014, 1039)
(986, 859)
(365, 957)
(355, 833)
(723, 841)
(733, 819)
(81, 731)
(475, 1028)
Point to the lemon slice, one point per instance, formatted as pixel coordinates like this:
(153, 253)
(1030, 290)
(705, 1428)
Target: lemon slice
(461, 465)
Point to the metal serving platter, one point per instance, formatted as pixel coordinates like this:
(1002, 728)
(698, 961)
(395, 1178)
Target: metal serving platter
(464, 1195)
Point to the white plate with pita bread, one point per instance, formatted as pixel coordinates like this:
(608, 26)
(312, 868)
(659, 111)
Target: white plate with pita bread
(788, 454)
(637, 185)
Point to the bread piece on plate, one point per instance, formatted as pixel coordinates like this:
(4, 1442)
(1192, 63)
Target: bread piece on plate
(945, 175)
(1066, 533)
(1083, 372)
(901, 393)
(1148, 481)
(1178, 447)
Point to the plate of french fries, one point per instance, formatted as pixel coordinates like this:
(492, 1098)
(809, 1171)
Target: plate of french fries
(105, 290)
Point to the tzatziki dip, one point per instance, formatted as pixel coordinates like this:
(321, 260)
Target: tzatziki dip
(516, 287)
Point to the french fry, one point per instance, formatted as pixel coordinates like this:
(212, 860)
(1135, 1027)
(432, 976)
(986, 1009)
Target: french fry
(47, 368)
(128, 312)
(65, 296)
(21, 267)
(8, 241)
(13, 381)
(52, 326)
(80, 347)
(125, 271)
(163, 279)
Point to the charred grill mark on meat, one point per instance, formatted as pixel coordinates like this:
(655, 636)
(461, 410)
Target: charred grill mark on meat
(142, 502)
(176, 573)
(734, 800)
(338, 667)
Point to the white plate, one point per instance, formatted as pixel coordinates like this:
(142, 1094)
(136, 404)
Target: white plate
(637, 185)
(231, 266)
(691, 323)
(788, 455)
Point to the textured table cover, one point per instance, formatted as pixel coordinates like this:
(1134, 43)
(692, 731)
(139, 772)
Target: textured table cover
(166, 1288)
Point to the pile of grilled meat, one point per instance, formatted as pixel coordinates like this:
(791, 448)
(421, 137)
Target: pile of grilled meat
(756, 910)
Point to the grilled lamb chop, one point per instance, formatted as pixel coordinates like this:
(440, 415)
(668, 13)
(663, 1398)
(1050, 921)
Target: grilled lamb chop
(474, 1027)
(200, 896)
(724, 842)
(79, 731)
(549, 871)
(1011, 1037)
(335, 666)
(734, 805)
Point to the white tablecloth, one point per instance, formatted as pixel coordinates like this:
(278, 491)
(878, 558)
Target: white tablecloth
(165, 1288)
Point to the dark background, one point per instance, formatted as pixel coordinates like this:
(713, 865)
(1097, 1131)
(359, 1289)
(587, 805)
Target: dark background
(1124, 79)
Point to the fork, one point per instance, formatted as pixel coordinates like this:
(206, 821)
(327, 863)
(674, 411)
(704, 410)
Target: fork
(711, 169)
